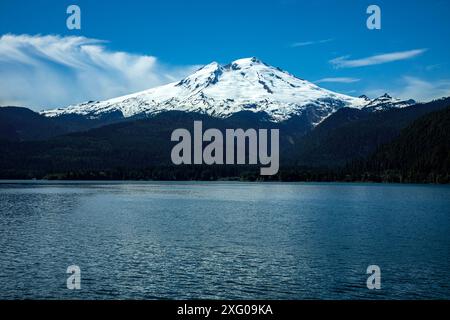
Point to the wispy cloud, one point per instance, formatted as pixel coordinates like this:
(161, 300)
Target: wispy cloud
(338, 80)
(423, 90)
(433, 67)
(309, 43)
(416, 88)
(54, 71)
(345, 62)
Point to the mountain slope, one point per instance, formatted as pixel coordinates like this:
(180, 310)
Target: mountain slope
(351, 134)
(420, 154)
(22, 124)
(19, 124)
(135, 149)
(132, 145)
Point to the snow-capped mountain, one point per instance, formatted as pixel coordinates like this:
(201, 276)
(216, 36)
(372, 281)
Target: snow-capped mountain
(386, 102)
(220, 91)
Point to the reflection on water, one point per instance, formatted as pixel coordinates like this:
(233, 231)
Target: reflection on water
(223, 240)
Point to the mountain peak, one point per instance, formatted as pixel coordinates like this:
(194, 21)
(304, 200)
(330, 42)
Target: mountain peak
(363, 96)
(249, 60)
(386, 102)
(206, 69)
(203, 77)
(212, 65)
(246, 63)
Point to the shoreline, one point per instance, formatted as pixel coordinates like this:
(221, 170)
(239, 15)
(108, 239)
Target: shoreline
(93, 181)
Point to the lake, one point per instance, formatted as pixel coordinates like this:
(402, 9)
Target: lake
(223, 240)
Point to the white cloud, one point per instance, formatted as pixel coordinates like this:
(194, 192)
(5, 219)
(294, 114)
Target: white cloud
(338, 80)
(345, 62)
(54, 71)
(415, 88)
(434, 67)
(309, 43)
(422, 90)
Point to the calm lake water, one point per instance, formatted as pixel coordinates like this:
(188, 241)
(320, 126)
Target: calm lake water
(223, 240)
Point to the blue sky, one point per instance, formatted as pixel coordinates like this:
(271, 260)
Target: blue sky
(158, 41)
